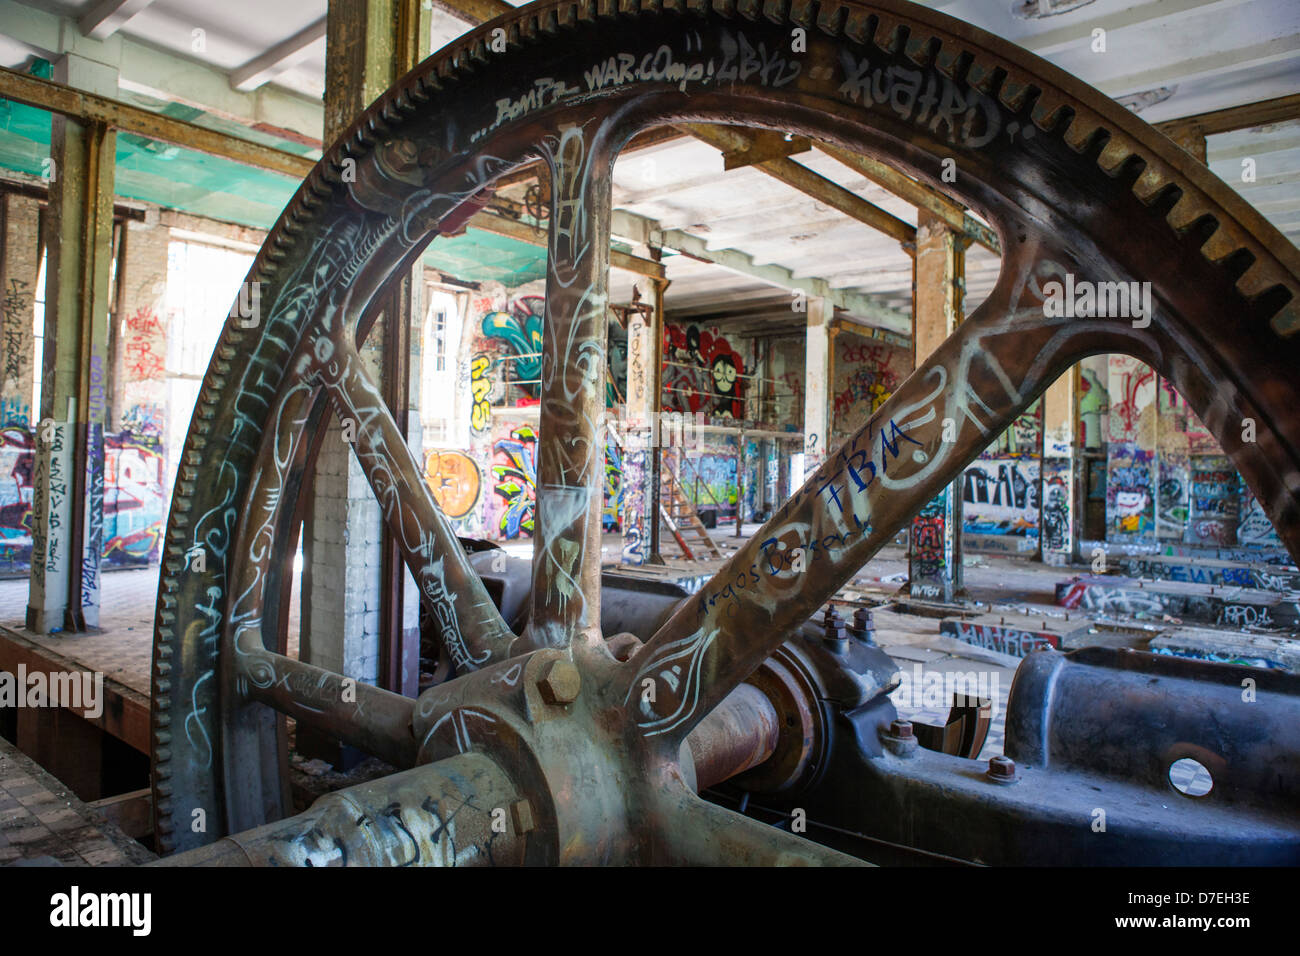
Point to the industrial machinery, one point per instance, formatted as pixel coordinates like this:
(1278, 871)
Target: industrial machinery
(577, 732)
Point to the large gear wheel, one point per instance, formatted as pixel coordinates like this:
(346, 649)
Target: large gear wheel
(1072, 183)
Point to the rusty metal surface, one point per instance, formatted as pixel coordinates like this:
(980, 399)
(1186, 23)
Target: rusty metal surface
(1073, 185)
(457, 812)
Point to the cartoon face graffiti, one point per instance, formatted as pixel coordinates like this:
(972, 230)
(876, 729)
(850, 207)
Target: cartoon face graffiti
(1129, 506)
(455, 481)
(724, 384)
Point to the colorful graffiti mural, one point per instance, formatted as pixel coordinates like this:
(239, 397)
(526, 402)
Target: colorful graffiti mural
(611, 515)
(515, 482)
(1130, 484)
(1000, 496)
(702, 373)
(135, 508)
(480, 388)
(455, 481)
(865, 375)
(17, 459)
(519, 328)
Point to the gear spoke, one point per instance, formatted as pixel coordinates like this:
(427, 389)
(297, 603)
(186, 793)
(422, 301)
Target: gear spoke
(566, 543)
(367, 717)
(469, 624)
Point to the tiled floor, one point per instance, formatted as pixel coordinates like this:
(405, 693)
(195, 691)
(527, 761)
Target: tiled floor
(40, 820)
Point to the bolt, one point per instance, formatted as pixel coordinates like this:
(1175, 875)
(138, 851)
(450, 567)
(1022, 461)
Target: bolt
(900, 728)
(1002, 768)
(833, 625)
(560, 682)
(864, 628)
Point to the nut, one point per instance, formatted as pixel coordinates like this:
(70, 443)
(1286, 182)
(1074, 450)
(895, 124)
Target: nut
(560, 682)
(1002, 768)
(900, 728)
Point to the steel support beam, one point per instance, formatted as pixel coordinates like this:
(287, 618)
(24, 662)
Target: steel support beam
(918, 194)
(88, 108)
(68, 483)
(824, 190)
(1277, 110)
(514, 229)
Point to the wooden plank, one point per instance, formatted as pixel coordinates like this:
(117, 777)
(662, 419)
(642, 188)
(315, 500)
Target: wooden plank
(1277, 110)
(132, 812)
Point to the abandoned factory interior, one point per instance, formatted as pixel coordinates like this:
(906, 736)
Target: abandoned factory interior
(670, 433)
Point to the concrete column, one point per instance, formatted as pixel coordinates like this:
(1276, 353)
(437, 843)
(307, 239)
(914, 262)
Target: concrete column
(19, 268)
(1056, 520)
(349, 621)
(68, 502)
(653, 479)
(639, 420)
(817, 378)
(934, 552)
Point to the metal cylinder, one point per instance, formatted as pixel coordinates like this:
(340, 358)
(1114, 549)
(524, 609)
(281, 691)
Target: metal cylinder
(455, 812)
(740, 733)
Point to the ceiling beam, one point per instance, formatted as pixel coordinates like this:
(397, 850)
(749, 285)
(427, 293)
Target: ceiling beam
(824, 190)
(918, 194)
(645, 231)
(863, 306)
(1080, 34)
(474, 12)
(1277, 110)
(524, 232)
(281, 57)
(156, 73)
(107, 17)
(1231, 60)
(89, 107)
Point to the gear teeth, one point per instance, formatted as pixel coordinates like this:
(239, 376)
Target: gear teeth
(890, 35)
(860, 26)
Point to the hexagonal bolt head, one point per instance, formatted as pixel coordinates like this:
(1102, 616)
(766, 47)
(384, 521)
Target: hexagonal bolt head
(900, 728)
(560, 682)
(833, 625)
(1002, 768)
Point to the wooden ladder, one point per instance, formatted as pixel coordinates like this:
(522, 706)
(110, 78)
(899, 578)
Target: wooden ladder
(679, 514)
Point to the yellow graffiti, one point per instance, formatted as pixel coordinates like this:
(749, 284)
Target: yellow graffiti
(480, 387)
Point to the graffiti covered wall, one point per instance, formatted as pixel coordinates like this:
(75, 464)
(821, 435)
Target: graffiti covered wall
(1000, 491)
(864, 374)
(703, 372)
